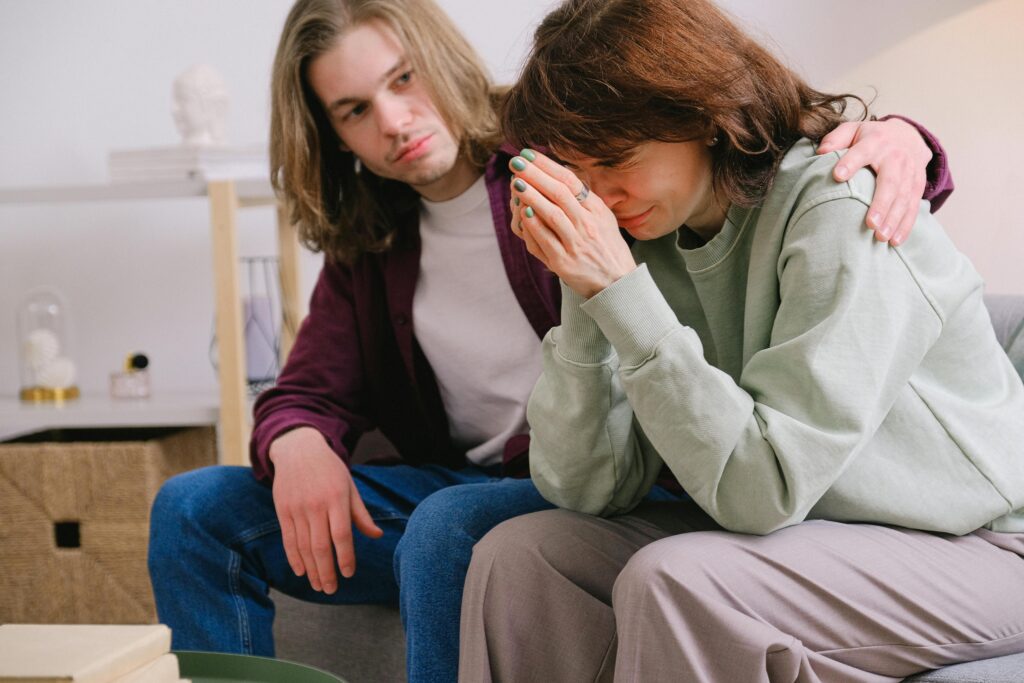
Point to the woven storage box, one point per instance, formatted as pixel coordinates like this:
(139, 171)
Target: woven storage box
(74, 521)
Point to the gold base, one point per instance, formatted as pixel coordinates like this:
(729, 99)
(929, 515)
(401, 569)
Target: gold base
(49, 394)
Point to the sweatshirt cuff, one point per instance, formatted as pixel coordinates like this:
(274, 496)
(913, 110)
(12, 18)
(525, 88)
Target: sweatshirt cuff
(579, 339)
(633, 315)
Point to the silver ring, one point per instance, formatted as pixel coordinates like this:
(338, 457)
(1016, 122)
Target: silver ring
(582, 195)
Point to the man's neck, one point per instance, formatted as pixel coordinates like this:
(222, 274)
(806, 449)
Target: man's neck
(455, 182)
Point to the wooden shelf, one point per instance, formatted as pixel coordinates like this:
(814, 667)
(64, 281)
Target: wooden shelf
(225, 197)
(251, 192)
(93, 411)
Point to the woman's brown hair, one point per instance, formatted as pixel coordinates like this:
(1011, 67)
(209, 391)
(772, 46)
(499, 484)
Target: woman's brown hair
(337, 210)
(607, 75)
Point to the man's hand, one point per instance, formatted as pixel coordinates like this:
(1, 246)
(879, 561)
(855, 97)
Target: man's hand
(899, 157)
(317, 503)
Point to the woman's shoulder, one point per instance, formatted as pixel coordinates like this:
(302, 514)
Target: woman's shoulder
(805, 179)
(810, 213)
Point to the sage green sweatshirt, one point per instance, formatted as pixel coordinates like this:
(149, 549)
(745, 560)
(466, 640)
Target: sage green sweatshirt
(791, 368)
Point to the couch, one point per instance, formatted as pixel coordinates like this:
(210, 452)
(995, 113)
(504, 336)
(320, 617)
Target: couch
(365, 643)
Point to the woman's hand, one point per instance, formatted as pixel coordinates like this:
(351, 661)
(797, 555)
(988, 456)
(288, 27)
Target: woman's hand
(577, 240)
(899, 157)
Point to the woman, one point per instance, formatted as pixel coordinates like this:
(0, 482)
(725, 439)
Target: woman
(838, 408)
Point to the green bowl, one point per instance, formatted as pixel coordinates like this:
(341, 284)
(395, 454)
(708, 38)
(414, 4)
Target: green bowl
(218, 667)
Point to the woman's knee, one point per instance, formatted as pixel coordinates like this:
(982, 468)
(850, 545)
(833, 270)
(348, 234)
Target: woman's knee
(541, 545)
(687, 562)
(518, 537)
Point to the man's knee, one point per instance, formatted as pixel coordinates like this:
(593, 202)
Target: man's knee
(444, 525)
(450, 506)
(186, 500)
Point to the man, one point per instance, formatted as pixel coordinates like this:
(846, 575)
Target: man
(385, 149)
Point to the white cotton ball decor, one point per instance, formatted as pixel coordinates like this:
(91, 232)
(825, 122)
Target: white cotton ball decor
(57, 374)
(42, 346)
(48, 371)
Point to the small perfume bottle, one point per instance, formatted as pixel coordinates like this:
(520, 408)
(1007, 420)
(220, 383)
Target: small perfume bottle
(44, 340)
(133, 381)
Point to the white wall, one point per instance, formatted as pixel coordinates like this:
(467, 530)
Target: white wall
(964, 76)
(80, 78)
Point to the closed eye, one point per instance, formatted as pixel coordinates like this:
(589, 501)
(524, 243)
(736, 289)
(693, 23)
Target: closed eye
(623, 163)
(562, 162)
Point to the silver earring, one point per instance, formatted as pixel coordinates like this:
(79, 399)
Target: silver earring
(713, 141)
(359, 166)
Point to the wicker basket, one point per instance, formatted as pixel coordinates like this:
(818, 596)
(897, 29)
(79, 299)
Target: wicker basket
(74, 522)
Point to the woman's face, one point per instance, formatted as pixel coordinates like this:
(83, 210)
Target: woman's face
(662, 187)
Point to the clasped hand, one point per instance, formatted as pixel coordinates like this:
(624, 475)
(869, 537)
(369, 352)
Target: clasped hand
(577, 240)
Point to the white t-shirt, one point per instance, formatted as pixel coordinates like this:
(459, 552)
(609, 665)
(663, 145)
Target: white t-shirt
(484, 352)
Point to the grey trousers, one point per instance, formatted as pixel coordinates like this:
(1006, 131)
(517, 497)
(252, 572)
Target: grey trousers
(664, 594)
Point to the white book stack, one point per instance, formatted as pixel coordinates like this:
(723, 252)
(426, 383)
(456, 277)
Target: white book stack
(158, 164)
(60, 653)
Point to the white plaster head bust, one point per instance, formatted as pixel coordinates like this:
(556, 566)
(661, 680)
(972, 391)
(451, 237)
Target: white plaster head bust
(200, 106)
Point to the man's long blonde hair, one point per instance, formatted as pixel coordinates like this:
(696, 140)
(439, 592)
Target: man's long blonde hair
(339, 211)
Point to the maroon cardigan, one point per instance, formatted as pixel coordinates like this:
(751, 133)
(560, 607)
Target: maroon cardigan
(356, 365)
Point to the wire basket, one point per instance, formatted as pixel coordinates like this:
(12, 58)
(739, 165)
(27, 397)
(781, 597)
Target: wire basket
(261, 323)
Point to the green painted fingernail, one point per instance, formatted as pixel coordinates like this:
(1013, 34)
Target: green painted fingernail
(529, 212)
(519, 163)
(516, 200)
(529, 154)
(519, 185)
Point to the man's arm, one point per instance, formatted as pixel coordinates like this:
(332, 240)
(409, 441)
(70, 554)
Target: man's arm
(306, 427)
(322, 384)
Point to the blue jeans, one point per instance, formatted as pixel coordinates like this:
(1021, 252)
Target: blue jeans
(215, 551)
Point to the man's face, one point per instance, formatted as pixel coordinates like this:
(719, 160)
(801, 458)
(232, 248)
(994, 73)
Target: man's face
(381, 109)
